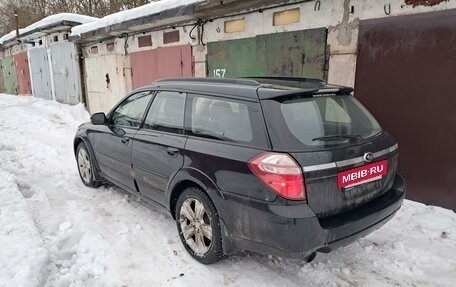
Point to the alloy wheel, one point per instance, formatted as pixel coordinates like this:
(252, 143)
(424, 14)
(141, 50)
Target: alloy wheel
(196, 226)
(85, 168)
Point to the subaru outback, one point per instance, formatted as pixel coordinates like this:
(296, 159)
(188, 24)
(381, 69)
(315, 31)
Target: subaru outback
(282, 166)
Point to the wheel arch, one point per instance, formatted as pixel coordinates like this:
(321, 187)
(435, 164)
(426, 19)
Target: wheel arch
(80, 139)
(190, 177)
(195, 178)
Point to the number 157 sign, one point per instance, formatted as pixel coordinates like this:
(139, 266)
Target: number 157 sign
(219, 73)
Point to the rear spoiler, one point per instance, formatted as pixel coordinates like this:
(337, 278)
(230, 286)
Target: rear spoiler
(279, 87)
(277, 92)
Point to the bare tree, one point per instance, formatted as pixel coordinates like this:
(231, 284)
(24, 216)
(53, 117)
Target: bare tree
(31, 11)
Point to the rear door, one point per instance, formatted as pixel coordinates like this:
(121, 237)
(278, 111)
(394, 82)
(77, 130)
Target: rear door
(158, 146)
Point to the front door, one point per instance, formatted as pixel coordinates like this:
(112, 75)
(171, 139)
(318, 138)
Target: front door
(114, 142)
(158, 146)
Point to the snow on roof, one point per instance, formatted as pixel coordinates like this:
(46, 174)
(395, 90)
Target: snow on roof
(135, 13)
(50, 20)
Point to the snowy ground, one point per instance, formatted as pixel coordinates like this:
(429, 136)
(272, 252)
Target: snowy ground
(56, 232)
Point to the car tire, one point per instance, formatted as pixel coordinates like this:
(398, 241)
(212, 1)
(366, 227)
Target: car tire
(85, 167)
(199, 226)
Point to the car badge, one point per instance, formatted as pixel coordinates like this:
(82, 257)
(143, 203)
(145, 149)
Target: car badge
(368, 157)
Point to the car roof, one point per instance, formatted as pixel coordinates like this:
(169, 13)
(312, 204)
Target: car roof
(252, 87)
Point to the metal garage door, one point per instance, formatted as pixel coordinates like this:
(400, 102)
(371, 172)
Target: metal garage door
(41, 77)
(2, 79)
(9, 74)
(65, 69)
(406, 75)
(108, 81)
(151, 65)
(23, 74)
(294, 54)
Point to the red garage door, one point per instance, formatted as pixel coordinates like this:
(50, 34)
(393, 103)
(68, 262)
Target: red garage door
(151, 65)
(23, 74)
(406, 75)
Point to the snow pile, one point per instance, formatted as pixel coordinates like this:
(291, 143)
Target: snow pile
(135, 13)
(54, 231)
(53, 19)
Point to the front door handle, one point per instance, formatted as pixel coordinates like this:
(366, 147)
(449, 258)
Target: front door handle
(125, 140)
(172, 151)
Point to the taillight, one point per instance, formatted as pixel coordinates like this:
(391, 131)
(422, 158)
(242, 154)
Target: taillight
(281, 173)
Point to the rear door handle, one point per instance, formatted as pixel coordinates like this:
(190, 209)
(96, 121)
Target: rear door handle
(125, 140)
(172, 151)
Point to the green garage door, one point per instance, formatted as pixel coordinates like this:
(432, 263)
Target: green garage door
(292, 54)
(9, 75)
(2, 80)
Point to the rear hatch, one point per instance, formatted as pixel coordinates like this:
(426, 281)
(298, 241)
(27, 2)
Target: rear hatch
(346, 158)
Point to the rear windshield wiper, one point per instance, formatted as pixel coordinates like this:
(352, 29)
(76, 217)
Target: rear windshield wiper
(337, 137)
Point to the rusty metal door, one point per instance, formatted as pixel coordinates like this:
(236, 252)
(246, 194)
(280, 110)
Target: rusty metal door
(41, 77)
(107, 81)
(293, 54)
(23, 74)
(406, 75)
(65, 70)
(9, 74)
(151, 65)
(2, 80)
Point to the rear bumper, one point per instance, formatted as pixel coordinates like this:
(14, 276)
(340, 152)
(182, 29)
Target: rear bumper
(295, 231)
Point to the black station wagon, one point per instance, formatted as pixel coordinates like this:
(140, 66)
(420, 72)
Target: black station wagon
(282, 166)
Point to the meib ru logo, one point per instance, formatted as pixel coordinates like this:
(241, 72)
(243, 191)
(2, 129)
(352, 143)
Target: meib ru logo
(368, 157)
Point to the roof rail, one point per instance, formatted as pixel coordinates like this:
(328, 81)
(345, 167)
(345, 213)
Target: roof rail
(290, 81)
(244, 81)
(278, 80)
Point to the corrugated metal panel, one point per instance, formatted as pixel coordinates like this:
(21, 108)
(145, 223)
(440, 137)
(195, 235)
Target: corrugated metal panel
(2, 80)
(296, 54)
(151, 65)
(23, 74)
(101, 95)
(41, 77)
(9, 74)
(406, 76)
(65, 71)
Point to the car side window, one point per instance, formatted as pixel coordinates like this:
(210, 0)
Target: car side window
(130, 113)
(166, 112)
(226, 120)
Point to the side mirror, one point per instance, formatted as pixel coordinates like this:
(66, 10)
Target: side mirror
(98, 119)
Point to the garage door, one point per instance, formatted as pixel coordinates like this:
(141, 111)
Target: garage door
(406, 75)
(65, 69)
(108, 81)
(41, 77)
(294, 54)
(148, 66)
(9, 75)
(2, 80)
(23, 74)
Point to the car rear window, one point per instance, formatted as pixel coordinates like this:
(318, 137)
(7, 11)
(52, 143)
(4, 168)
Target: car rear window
(304, 123)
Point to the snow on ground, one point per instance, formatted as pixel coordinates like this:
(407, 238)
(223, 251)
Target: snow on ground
(57, 18)
(54, 231)
(131, 14)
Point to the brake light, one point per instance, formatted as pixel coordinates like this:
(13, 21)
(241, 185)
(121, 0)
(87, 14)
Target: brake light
(281, 173)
